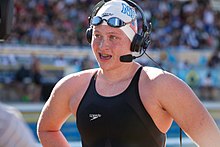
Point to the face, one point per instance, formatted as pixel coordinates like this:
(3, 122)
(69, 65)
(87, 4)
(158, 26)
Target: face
(108, 45)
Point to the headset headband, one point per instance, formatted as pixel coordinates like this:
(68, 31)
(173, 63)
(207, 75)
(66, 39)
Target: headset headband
(145, 27)
(140, 40)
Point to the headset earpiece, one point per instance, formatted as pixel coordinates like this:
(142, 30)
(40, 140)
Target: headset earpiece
(89, 35)
(136, 43)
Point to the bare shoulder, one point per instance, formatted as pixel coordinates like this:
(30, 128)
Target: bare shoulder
(167, 87)
(79, 75)
(76, 79)
(161, 76)
(153, 72)
(70, 87)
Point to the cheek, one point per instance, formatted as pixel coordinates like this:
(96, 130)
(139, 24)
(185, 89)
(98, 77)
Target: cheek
(125, 47)
(95, 46)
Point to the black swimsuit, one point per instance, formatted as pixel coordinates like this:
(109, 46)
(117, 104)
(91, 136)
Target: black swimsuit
(117, 121)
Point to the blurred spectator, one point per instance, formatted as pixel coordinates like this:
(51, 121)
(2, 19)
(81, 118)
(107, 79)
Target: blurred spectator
(60, 61)
(23, 74)
(28, 81)
(14, 132)
(207, 91)
(9, 60)
(87, 63)
(214, 59)
(22, 80)
(192, 24)
(36, 84)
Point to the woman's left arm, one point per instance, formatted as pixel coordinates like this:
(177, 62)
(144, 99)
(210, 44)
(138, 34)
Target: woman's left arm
(188, 111)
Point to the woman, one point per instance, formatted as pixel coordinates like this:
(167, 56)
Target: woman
(123, 104)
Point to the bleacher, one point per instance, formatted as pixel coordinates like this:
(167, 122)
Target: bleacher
(194, 73)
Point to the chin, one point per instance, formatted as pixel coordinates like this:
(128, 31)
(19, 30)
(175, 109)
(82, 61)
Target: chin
(108, 67)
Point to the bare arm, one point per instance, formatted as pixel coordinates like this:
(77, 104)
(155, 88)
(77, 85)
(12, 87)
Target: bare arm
(54, 114)
(63, 102)
(187, 110)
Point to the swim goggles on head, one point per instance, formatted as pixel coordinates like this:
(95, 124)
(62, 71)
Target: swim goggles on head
(113, 21)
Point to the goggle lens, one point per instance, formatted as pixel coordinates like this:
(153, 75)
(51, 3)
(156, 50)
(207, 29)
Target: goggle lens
(113, 22)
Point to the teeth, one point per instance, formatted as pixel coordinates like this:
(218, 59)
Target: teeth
(104, 55)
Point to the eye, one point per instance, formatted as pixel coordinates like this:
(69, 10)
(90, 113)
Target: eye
(113, 37)
(96, 35)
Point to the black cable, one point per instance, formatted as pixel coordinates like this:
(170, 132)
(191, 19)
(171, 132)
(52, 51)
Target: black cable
(154, 61)
(181, 142)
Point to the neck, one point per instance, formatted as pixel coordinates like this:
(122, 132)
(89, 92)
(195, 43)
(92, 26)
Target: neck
(119, 74)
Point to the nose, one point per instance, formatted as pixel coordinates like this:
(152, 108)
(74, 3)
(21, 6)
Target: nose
(104, 44)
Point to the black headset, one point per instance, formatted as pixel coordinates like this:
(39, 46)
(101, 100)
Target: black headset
(141, 39)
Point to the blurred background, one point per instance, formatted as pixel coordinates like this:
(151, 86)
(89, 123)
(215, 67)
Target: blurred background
(48, 41)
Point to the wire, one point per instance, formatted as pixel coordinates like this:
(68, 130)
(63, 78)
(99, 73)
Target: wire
(181, 142)
(144, 52)
(154, 61)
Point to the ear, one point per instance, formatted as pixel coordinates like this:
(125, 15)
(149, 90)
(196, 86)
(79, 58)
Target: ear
(6, 16)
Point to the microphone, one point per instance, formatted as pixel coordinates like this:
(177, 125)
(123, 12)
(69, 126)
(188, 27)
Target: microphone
(127, 58)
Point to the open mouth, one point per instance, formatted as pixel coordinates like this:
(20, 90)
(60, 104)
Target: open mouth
(105, 56)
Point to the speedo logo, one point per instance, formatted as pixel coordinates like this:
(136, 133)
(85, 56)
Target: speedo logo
(106, 14)
(94, 116)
